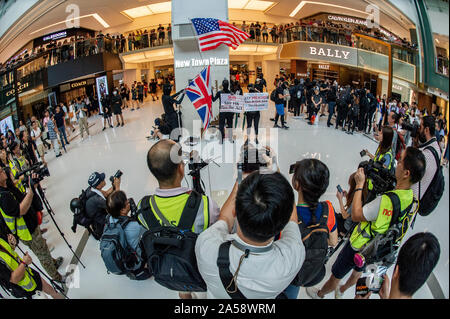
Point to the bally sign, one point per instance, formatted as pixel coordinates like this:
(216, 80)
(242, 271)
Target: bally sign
(329, 53)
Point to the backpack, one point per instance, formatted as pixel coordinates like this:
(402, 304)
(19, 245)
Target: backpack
(383, 247)
(80, 217)
(434, 192)
(354, 110)
(118, 256)
(273, 95)
(299, 93)
(315, 240)
(170, 249)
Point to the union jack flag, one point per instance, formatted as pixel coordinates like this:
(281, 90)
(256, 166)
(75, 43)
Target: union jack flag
(214, 32)
(199, 92)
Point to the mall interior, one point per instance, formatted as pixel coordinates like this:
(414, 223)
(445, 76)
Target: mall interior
(55, 51)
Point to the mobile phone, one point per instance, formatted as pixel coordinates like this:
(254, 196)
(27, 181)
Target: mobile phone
(362, 153)
(339, 189)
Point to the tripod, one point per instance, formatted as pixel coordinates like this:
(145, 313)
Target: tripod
(51, 213)
(52, 282)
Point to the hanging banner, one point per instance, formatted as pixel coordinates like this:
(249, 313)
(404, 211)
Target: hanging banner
(231, 103)
(256, 102)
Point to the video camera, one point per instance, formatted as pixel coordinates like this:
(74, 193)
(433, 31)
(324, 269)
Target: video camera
(39, 169)
(383, 180)
(413, 128)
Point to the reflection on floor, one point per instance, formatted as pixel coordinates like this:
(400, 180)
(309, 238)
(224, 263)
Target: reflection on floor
(125, 148)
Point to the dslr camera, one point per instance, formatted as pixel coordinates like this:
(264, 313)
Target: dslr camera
(383, 180)
(254, 159)
(39, 169)
(412, 128)
(117, 175)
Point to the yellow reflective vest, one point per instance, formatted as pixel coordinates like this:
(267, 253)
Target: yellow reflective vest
(16, 225)
(378, 158)
(12, 261)
(366, 231)
(15, 171)
(172, 207)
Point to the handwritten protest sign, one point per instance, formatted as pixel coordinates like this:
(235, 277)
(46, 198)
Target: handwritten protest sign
(256, 102)
(231, 103)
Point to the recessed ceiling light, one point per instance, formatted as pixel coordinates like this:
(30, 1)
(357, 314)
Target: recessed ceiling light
(237, 4)
(258, 5)
(161, 7)
(138, 12)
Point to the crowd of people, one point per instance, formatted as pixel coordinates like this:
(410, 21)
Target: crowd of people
(259, 226)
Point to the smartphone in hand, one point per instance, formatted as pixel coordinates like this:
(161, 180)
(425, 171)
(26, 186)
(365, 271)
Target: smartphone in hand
(339, 188)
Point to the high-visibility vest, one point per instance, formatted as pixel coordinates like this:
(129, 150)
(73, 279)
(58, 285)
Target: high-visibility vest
(366, 231)
(14, 171)
(10, 258)
(17, 225)
(172, 207)
(378, 157)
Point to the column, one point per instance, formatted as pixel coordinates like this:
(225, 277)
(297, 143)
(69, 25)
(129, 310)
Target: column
(270, 69)
(252, 69)
(186, 50)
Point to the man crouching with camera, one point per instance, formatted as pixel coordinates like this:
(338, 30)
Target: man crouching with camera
(375, 219)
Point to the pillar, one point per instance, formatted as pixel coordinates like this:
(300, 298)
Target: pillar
(185, 49)
(251, 69)
(270, 69)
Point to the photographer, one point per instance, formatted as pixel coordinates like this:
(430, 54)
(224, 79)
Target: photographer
(416, 260)
(7, 161)
(170, 198)
(427, 142)
(20, 216)
(118, 207)
(311, 179)
(96, 201)
(17, 277)
(374, 219)
(264, 206)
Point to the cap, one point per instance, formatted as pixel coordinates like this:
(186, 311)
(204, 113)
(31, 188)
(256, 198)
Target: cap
(95, 179)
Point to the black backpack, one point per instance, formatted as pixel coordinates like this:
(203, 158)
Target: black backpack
(315, 240)
(273, 95)
(435, 191)
(354, 110)
(80, 217)
(170, 249)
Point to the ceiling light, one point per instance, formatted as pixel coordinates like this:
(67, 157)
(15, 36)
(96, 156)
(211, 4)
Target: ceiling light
(100, 20)
(161, 7)
(258, 5)
(94, 15)
(138, 12)
(237, 4)
(303, 3)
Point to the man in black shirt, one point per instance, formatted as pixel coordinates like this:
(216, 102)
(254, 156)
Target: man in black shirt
(280, 104)
(20, 216)
(168, 102)
(60, 123)
(224, 117)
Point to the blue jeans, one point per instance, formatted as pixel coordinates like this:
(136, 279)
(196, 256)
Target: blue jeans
(292, 292)
(331, 107)
(62, 132)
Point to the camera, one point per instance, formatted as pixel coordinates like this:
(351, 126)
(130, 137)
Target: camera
(252, 159)
(39, 169)
(372, 280)
(413, 128)
(117, 175)
(383, 180)
(362, 153)
(133, 207)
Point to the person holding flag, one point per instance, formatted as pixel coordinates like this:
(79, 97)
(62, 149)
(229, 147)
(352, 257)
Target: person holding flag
(168, 102)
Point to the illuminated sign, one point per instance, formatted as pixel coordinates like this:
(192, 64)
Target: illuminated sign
(329, 52)
(324, 66)
(78, 84)
(55, 36)
(347, 20)
(200, 62)
(19, 87)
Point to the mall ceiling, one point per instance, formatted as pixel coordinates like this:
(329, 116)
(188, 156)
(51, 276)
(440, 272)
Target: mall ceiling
(49, 16)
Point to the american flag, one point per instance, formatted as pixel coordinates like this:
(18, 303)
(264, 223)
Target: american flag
(213, 32)
(199, 92)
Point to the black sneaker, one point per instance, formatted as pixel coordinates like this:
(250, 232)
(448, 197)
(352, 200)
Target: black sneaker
(122, 124)
(276, 126)
(104, 128)
(111, 126)
(273, 120)
(285, 127)
(118, 124)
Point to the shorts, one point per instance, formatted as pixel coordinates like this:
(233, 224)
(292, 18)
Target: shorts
(117, 111)
(344, 262)
(41, 150)
(280, 109)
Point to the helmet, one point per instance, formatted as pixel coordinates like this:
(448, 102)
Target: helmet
(167, 88)
(75, 204)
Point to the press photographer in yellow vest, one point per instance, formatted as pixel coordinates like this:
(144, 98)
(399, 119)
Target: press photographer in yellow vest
(20, 216)
(374, 219)
(15, 274)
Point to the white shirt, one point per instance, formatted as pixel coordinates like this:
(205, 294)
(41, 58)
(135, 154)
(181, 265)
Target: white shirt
(261, 276)
(36, 133)
(95, 190)
(430, 170)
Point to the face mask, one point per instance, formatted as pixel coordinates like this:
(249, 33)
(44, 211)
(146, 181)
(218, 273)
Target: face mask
(115, 93)
(422, 138)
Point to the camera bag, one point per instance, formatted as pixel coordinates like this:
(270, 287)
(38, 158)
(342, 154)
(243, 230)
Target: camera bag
(170, 249)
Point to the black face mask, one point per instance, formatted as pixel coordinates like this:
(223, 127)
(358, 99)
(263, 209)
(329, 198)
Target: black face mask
(422, 138)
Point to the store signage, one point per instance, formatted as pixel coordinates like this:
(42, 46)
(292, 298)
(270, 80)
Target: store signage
(200, 62)
(19, 87)
(332, 53)
(397, 87)
(347, 20)
(55, 36)
(78, 84)
(324, 66)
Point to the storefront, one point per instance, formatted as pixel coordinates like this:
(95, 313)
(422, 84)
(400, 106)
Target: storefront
(68, 35)
(71, 91)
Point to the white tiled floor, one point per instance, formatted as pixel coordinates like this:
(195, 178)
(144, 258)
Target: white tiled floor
(125, 148)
